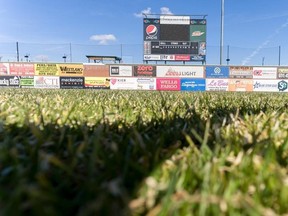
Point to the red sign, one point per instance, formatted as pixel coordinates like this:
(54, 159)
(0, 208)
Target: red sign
(182, 57)
(22, 69)
(168, 84)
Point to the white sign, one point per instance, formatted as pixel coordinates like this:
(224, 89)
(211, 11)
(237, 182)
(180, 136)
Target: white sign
(264, 73)
(180, 71)
(216, 84)
(180, 20)
(46, 82)
(265, 85)
(123, 70)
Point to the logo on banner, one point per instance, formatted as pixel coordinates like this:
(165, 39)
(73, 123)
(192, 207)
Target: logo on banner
(151, 31)
(217, 70)
(282, 85)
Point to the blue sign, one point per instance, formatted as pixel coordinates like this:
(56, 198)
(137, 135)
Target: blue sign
(190, 84)
(217, 72)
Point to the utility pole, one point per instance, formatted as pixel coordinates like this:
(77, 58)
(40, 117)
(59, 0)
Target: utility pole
(222, 31)
(17, 51)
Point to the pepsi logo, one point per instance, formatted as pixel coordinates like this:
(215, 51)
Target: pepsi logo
(151, 30)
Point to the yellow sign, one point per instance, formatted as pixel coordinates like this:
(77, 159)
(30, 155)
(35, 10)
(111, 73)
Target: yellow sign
(46, 70)
(97, 82)
(71, 69)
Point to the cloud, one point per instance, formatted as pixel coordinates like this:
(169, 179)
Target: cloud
(165, 10)
(145, 11)
(104, 38)
(265, 43)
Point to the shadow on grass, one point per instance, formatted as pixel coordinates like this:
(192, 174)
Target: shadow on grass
(81, 170)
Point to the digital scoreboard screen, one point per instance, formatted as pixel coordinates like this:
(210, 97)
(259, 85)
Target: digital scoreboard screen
(174, 38)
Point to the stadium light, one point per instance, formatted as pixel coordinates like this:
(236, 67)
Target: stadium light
(222, 31)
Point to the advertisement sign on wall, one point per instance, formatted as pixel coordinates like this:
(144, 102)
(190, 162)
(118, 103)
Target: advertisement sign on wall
(146, 83)
(188, 84)
(46, 82)
(4, 68)
(127, 83)
(27, 81)
(144, 70)
(97, 82)
(217, 72)
(216, 84)
(168, 84)
(9, 81)
(282, 73)
(22, 69)
(46, 70)
(265, 85)
(264, 72)
(180, 71)
(241, 72)
(71, 69)
(282, 86)
(240, 85)
(72, 82)
(117, 70)
(94, 70)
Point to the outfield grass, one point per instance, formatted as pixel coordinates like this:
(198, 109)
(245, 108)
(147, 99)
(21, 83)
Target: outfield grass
(82, 152)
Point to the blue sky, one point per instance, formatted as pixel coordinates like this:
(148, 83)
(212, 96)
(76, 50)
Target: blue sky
(46, 30)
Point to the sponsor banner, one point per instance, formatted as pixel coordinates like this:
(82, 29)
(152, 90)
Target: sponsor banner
(71, 69)
(168, 84)
(4, 69)
(71, 82)
(241, 72)
(265, 85)
(22, 69)
(217, 72)
(179, 20)
(180, 71)
(27, 81)
(197, 33)
(182, 57)
(188, 84)
(264, 72)
(168, 57)
(197, 58)
(282, 73)
(46, 82)
(97, 82)
(151, 32)
(240, 85)
(125, 83)
(146, 83)
(152, 57)
(10, 81)
(46, 70)
(147, 47)
(93, 70)
(216, 84)
(282, 86)
(144, 70)
(125, 70)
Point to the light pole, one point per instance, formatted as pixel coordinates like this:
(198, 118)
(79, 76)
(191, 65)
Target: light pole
(222, 31)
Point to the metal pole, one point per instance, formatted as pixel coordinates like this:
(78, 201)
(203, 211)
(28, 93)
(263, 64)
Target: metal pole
(222, 31)
(17, 51)
(279, 62)
(70, 52)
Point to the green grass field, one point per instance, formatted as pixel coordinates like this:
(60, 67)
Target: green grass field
(82, 152)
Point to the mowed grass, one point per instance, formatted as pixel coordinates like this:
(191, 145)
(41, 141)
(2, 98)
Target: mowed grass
(86, 152)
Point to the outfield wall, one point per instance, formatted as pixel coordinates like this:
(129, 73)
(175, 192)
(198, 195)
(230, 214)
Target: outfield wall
(144, 77)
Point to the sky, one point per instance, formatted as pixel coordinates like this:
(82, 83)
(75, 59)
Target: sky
(254, 30)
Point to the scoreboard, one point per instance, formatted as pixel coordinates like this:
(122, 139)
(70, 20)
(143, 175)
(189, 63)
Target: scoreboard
(174, 38)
